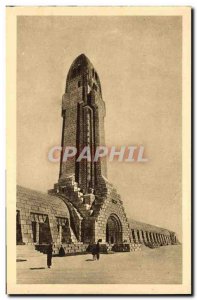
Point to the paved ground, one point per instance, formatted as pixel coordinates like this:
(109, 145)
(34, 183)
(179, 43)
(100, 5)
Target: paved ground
(160, 265)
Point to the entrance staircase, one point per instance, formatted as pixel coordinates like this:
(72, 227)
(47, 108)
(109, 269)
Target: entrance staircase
(71, 190)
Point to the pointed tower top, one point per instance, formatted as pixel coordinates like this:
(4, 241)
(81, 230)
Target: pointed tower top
(82, 65)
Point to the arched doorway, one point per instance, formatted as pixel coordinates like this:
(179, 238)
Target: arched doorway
(113, 230)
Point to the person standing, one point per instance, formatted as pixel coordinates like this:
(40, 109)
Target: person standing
(98, 249)
(49, 255)
(61, 251)
(94, 252)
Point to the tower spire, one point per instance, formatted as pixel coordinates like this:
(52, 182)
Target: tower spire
(83, 112)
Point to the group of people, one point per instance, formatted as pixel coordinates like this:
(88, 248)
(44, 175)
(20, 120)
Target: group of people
(95, 253)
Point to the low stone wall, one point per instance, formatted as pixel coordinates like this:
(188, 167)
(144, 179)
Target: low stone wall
(66, 249)
(121, 248)
(135, 247)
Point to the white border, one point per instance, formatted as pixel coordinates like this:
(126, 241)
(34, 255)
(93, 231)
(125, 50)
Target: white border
(3, 3)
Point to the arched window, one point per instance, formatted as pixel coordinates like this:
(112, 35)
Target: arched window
(96, 76)
(79, 83)
(92, 72)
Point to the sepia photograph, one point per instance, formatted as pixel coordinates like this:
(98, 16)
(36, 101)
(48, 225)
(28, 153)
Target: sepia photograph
(98, 150)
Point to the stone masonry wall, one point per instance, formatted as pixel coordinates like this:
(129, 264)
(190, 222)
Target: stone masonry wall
(30, 203)
(103, 208)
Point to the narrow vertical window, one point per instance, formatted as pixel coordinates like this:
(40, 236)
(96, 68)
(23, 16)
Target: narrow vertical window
(78, 70)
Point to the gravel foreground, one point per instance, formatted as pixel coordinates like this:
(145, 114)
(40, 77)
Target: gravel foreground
(150, 266)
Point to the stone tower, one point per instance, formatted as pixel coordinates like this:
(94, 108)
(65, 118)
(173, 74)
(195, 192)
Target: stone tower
(83, 112)
(96, 208)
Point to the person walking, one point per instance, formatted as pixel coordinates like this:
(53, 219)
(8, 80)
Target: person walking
(49, 255)
(98, 249)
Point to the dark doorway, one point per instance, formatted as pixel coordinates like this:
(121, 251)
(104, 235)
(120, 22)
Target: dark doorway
(133, 235)
(138, 235)
(34, 231)
(19, 239)
(113, 230)
(66, 236)
(45, 233)
(41, 229)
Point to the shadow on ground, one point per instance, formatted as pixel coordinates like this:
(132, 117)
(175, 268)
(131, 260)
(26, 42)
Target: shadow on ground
(20, 260)
(41, 268)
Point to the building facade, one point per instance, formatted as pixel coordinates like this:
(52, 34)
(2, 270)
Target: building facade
(83, 206)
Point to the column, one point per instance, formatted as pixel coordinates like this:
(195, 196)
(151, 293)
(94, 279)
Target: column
(161, 239)
(151, 237)
(156, 234)
(136, 237)
(37, 232)
(154, 238)
(157, 237)
(141, 237)
(60, 233)
(144, 236)
(167, 241)
(148, 236)
(159, 242)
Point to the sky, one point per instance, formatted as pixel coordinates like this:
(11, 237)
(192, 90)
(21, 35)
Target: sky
(138, 60)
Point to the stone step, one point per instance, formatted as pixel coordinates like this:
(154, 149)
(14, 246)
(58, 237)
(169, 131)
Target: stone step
(72, 249)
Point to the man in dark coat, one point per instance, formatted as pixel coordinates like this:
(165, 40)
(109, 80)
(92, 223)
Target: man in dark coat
(97, 250)
(94, 252)
(49, 255)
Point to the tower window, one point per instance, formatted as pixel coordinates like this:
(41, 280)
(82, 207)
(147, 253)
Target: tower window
(92, 72)
(79, 83)
(78, 70)
(96, 76)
